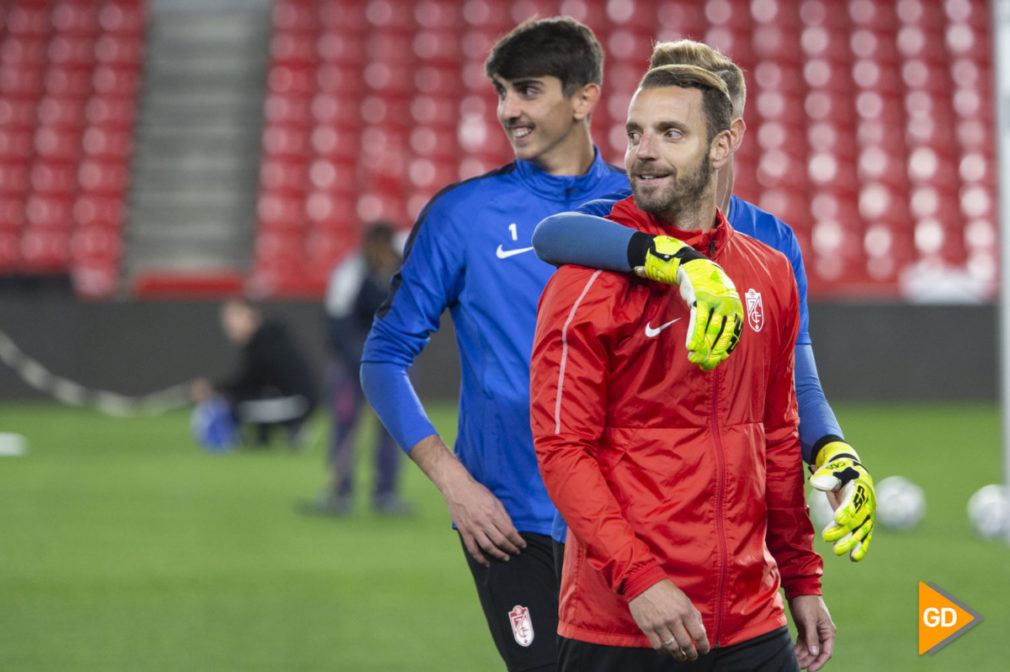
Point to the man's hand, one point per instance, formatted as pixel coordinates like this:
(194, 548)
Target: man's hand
(484, 525)
(815, 631)
(850, 491)
(670, 621)
(716, 311)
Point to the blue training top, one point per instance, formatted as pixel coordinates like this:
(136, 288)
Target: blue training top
(585, 238)
(470, 251)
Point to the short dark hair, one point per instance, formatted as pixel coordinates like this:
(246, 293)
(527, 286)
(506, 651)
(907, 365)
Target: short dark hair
(559, 47)
(714, 94)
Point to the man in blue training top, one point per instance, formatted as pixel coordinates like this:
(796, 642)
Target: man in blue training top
(588, 240)
(470, 252)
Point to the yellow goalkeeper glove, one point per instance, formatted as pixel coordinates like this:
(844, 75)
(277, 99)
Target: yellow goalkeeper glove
(716, 311)
(838, 470)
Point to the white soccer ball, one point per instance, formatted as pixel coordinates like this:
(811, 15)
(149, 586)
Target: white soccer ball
(901, 504)
(987, 512)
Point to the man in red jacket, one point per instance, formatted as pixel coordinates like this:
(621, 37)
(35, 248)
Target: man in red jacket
(682, 488)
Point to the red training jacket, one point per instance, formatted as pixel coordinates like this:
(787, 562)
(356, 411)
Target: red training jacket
(660, 469)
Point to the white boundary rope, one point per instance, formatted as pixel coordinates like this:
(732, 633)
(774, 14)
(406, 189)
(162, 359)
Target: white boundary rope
(73, 394)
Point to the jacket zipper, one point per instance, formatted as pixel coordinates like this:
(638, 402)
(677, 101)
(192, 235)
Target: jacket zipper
(720, 489)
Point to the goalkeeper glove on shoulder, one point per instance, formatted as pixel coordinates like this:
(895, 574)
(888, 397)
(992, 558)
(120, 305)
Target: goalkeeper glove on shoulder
(837, 469)
(716, 311)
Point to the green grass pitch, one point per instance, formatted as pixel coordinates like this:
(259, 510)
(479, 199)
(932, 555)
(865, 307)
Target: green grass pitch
(123, 546)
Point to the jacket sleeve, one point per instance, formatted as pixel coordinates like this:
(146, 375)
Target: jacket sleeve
(790, 534)
(568, 393)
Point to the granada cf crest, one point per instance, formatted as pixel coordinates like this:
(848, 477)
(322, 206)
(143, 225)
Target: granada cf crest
(522, 626)
(755, 309)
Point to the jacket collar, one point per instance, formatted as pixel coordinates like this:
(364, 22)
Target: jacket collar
(707, 242)
(563, 187)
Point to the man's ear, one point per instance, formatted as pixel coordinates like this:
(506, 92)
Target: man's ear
(721, 149)
(737, 128)
(584, 100)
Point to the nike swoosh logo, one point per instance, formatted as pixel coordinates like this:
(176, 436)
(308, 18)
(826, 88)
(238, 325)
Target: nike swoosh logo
(652, 332)
(505, 254)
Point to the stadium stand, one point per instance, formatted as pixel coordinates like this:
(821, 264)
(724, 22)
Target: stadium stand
(870, 129)
(832, 85)
(68, 80)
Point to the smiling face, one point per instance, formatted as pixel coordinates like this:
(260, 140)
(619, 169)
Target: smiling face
(542, 125)
(668, 157)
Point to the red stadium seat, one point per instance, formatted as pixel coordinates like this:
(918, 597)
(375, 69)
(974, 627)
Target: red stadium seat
(17, 112)
(332, 174)
(280, 174)
(287, 109)
(96, 244)
(103, 177)
(26, 18)
(60, 112)
(437, 14)
(436, 46)
(45, 251)
(107, 110)
(54, 176)
(336, 142)
(20, 81)
(108, 142)
(95, 210)
(13, 177)
(338, 79)
(290, 79)
(287, 140)
(25, 51)
(295, 49)
(280, 251)
(71, 50)
(75, 17)
(15, 143)
(339, 45)
(293, 16)
(10, 252)
(122, 50)
(68, 81)
(280, 211)
(12, 207)
(50, 211)
(115, 80)
(123, 16)
(55, 143)
(331, 209)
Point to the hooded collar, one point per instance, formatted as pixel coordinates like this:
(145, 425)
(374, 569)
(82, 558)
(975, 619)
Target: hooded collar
(563, 188)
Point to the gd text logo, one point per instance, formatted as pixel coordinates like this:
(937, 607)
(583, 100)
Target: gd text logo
(942, 618)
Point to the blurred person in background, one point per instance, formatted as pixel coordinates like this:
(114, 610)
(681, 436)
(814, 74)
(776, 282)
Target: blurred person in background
(588, 240)
(272, 385)
(357, 287)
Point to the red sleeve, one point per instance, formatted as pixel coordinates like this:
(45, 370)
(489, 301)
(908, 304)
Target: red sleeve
(568, 412)
(790, 535)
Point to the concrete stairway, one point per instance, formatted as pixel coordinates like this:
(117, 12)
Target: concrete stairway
(195, 169)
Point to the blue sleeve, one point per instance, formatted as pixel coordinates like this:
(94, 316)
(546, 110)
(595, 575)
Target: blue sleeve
(429, 280)
(392, 396)
(817, 420)
(791, 249)
(583, 239)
